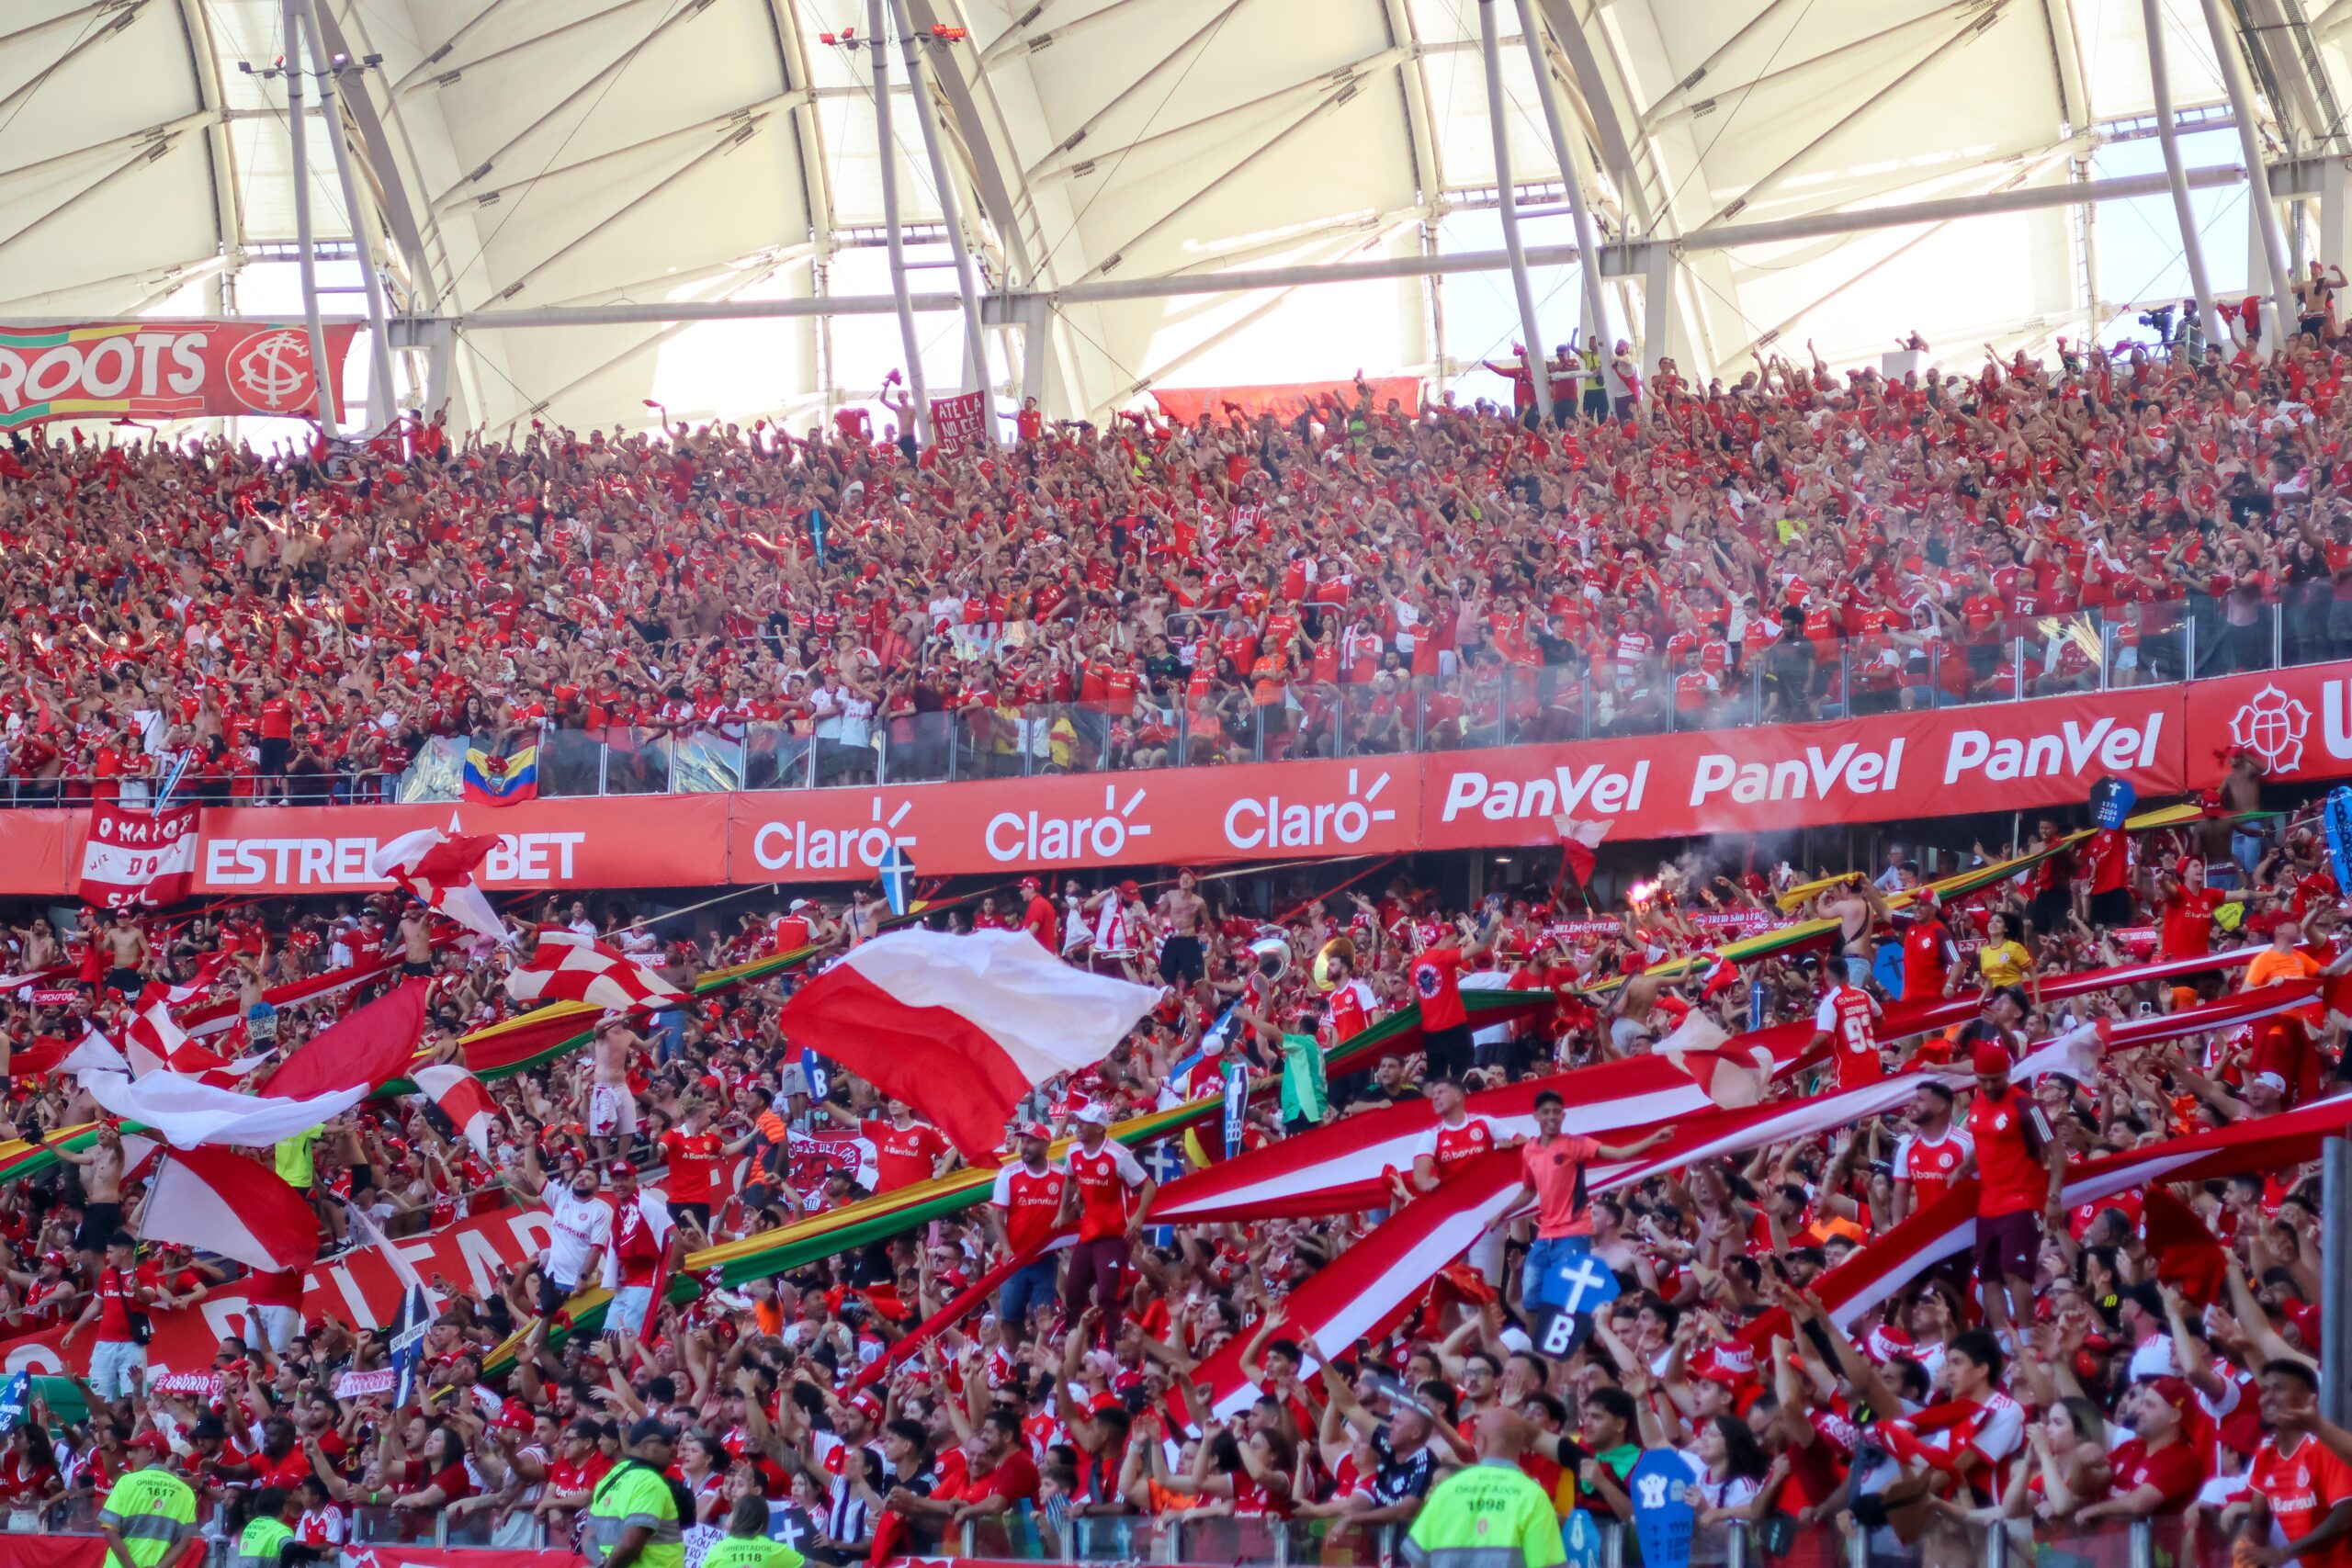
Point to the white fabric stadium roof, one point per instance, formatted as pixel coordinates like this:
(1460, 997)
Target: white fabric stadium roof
(533, 153)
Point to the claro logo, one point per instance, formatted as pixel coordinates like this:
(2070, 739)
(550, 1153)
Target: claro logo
(1270, 822)
(799, 845)
(1037, 836)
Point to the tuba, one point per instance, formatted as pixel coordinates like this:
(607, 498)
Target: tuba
(1276, 948)
(1337, 947)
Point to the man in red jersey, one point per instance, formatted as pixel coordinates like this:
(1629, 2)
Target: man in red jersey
(905, 1151)
(2299, 1492)
(1025, 1210)
(2021, 1167)
(1106, 1197)
(2158, 1471)
(1846, 1025)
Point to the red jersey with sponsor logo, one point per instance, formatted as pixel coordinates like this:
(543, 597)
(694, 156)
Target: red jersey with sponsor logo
(2009, 1135)
(903, 1156)
(2189, 922)
(2301, 1487)
(2175, 1470)
(694, 1165)
(1351, 1007)
(1030, 1199)
(1104, 1180)
(1451, 1146)
(1931, 1165)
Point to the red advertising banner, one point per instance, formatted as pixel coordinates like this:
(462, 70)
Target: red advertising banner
(1283, 400)
(358, 1288)
(1263, 811)
(1931, 762)
(136, 370)
(2297, 723)
(133, 858)
(2164, 740)
(960, 423)
(636, 841)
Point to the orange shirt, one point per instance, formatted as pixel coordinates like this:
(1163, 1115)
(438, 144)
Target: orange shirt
(2271, 965)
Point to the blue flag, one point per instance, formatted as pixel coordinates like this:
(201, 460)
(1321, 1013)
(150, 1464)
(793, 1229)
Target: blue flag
(407, 1343)
(2336, 817)
(2111, 802)
(15, 1395)
(897, 880)
(1662, 1519)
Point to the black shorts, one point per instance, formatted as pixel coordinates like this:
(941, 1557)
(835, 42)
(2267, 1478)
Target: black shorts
(127, 981)
(100, 1222)
(274, 751)
(2049, 909)
(1181, 960)
(2008, 1244)
(701, 1211)
(1596, 401)
(2110, 909)
(417, 970)
(1446, 1052)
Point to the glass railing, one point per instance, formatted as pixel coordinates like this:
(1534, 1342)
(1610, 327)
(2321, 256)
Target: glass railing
(1487, 702)
(1210, 1537)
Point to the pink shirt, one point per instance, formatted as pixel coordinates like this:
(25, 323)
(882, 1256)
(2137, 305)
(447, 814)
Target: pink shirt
(1555, 1169)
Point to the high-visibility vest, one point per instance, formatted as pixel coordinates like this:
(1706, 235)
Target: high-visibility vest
(634, 1493)
(259, 1546)
(751, 1551)
(154, 1511)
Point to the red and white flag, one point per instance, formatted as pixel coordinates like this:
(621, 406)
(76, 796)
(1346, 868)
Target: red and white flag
(1579, 842)
(438, 870)
(962, 1027)
(137, 859)
(462, 1099)
(568, 967)
(324, 1077)
(219, 1202)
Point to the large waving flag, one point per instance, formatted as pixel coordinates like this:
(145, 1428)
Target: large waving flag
(496, 780)
(224, 1202)
(568, 967)
(962, 1027)
(1341, 1165)
(438, 870)
(325, 1077)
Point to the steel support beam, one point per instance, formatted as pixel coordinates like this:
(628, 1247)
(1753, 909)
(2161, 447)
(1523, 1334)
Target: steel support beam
(290, 12)
(1539, 356)
(731, 120)
(877, 49)
(1548, 88)
(1659, 117)
(449, 44)
(2263, 214)
(1087, 127)
(383, 408)
(749, 129)
(448, 74)
(1681, 90)
(951, 216)
(80, 46)
(2184, 213)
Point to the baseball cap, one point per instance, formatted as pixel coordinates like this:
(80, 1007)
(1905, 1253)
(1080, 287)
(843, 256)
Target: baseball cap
(1990, 1058)
(623, 1170)
(1098, 1114)
(2270, 1079)
(866, 1404)
(1029, 885)
(1129, 888)
(2171, 1390)
(799, 904)
(650, 1430)
(1039, 1131)
(153, 1442)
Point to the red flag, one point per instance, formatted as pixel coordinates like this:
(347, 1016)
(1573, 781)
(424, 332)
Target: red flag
(371, 1046)
(2188, 1257)
(1578, 841)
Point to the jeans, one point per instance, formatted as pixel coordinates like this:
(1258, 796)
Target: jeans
(1025, 1289)
(1545, 1254)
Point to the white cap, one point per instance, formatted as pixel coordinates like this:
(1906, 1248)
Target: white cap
(1098, 1114)
(2273, 1080)
(798, 905)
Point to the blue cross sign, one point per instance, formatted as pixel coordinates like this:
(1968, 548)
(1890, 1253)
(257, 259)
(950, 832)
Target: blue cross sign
(1578, 1282)
(897, 879)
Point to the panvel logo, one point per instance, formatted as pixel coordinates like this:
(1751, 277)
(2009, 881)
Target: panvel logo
(1852, 769)
(1026, 836)
(342, 863)
(798, 846)
(1611, 791)
(2072, 750)
(1270, 822)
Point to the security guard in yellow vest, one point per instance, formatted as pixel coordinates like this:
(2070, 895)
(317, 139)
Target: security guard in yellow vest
(265, 1537)
(746, 1543)
(1493, 1515)
(634, 1520)
(150, 1511)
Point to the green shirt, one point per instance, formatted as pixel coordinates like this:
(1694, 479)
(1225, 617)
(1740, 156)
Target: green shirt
(751, 1551)
(634, 1493)
(1492, 1514)
(154, 1511)
(294, 1165)
(1304, 1097)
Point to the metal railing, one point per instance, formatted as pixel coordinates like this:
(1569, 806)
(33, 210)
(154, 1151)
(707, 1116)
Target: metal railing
(1484, 702)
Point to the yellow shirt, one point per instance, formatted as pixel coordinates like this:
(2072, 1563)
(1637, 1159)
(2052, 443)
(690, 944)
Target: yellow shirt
(2006, 964)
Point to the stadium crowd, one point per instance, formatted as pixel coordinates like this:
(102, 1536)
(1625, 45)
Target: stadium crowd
(301, 623)
(315, 619)
(2119, 1398)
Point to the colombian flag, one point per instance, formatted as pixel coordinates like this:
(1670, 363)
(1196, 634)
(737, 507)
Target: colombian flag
(502, 780)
